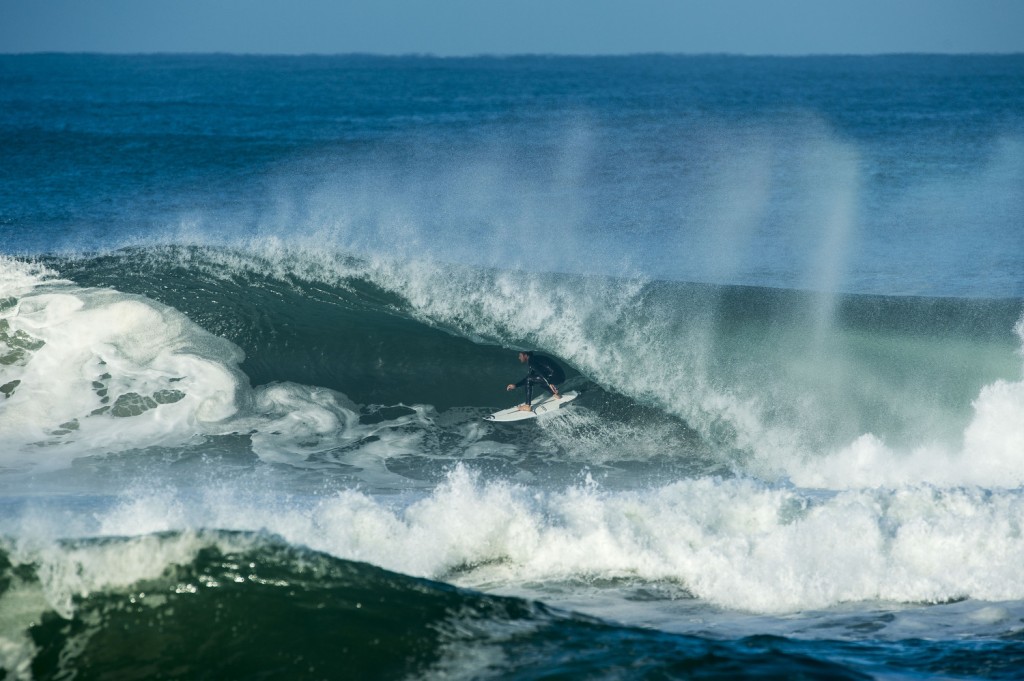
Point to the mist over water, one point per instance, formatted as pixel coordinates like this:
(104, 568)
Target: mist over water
(798, 205)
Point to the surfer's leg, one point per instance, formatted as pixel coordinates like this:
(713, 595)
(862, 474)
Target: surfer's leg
(529, 396)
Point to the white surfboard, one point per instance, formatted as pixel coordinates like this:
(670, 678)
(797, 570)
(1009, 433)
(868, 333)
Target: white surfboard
(543, 404)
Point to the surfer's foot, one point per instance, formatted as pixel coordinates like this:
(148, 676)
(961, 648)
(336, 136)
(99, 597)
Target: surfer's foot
(525, 407)
(558, 396)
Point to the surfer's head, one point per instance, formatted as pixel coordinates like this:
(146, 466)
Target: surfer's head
(525, 355)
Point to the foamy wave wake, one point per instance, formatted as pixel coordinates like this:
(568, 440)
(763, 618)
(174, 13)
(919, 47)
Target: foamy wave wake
(735, 543)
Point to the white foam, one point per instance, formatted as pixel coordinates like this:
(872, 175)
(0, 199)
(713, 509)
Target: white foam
(294, 421)
(104, 371)
(97, 371)
(990, 455)
(736, 543)
(20, 607)
(18, 277)
(69, 571)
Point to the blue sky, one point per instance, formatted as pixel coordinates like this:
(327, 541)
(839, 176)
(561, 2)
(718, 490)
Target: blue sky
(466, 27)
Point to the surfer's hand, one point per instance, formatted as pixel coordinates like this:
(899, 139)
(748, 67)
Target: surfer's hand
(510, 386)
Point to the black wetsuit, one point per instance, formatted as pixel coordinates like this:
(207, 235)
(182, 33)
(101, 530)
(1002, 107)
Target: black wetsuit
(543, 370)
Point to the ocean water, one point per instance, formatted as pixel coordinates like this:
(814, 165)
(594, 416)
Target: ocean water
(253, 310)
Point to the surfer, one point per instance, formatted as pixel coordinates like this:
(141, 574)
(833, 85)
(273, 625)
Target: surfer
(543, 370)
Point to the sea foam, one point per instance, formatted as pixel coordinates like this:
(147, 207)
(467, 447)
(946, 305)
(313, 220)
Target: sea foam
(99, 370)
(735, 543)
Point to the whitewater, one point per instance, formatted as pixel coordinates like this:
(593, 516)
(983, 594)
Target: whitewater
(254, 310)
